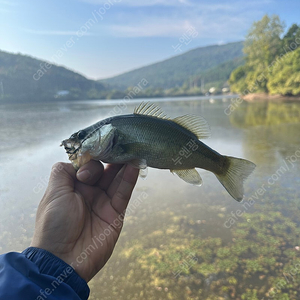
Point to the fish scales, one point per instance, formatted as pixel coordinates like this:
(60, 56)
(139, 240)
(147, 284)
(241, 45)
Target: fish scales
(161, 140)
(147, 138)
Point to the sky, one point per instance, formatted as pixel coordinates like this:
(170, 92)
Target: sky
(103, 38)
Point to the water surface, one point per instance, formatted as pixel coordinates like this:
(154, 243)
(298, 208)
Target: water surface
(180, 241)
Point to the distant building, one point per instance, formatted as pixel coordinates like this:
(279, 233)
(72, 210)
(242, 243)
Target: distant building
(61, 94)
(212, 90)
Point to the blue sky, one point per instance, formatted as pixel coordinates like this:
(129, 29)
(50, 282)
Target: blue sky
(102, 38)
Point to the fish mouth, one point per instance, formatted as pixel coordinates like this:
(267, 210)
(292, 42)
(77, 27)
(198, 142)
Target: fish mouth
(77, 155)
(74, 143)
(82, 146)
(72, 147)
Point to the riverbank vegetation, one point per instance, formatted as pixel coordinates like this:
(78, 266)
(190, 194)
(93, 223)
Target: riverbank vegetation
(272, 60)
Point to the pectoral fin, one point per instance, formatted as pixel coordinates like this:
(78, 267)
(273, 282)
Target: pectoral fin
(138, 163)
(190, 176)
(143, 173)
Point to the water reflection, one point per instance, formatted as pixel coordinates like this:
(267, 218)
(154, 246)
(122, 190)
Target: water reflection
(273, 131)
(182, 241)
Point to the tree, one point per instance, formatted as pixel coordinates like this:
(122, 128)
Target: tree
(290, 37)
(262, 45)
(237, 79)
(263, 41)
(285, 79)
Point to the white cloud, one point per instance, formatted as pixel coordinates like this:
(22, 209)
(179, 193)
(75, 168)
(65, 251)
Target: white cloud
(9, 3)
(162, 28)
(7, 6)
(139, 3)
(203, 5)
(156, 27)
(227, 7)
(54, 32)
(221, 21)
(214, 26)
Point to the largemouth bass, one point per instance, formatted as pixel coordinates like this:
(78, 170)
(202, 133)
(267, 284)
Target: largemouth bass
(148, 138)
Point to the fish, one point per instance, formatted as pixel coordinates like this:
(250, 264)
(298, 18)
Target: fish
(148, 138)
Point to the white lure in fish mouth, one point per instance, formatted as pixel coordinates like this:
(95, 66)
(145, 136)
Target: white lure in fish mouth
(95, 145)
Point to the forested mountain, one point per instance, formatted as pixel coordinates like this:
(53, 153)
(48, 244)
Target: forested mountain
(272, 60)
(216, 76)
(176, 71)
(26, 79)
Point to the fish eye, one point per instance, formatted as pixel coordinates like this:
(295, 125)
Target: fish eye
(81, 134)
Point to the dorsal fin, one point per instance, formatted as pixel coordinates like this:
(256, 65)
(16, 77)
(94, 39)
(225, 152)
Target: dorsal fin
(149, 109)
(196, 124)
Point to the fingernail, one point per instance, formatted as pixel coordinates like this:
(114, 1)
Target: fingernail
(84, 175)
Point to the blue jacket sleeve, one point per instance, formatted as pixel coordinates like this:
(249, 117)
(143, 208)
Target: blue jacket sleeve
(37, 274)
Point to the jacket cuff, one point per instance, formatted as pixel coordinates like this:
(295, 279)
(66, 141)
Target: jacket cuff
(49, 264)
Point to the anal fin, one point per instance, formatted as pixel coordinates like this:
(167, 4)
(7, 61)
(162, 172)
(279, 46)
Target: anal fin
(189, 175)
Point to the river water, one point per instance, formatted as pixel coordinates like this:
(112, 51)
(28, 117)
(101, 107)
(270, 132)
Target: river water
(181, 241)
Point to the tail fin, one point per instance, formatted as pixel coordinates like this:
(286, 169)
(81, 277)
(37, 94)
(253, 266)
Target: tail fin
(237, 172)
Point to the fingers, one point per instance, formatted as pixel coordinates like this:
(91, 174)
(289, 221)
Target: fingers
(61, 180)
(62, 174)
(90, 172)
(123, 192)
(115, 182)
(109, 174)
(112, 172)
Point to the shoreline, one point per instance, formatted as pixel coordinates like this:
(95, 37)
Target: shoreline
(122, 100)
(264, 96)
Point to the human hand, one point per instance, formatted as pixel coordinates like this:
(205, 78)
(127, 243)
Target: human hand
(80, 217)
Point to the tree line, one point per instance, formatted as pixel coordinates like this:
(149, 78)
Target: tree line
(272, 60)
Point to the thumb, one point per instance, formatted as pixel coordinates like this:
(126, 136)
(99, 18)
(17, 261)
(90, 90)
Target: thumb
(62, 178)
(90, 173)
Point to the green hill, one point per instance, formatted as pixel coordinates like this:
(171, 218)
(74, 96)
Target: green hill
(216, 76)
(26, 79)
(176, 71)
